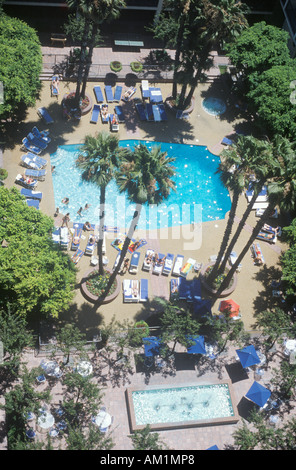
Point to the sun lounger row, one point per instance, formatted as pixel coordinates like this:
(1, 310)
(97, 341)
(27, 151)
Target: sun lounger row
(187, 290)
(61, 237)
(35, 141)
(135, 290)
(150, 112)
(32, 161)
(26, 182)
(152, 93)
(114, 118)
(161, 264)
(109, 93)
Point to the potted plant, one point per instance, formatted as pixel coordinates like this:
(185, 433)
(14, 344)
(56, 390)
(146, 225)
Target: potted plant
(3, 174)
(115, 66)
(136, 67)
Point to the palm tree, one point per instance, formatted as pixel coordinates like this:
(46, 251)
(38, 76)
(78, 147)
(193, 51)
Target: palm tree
(281, 188)
(99, 160)
(145, 175)
(249, 156)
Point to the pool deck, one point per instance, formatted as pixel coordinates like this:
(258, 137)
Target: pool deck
(200, 129)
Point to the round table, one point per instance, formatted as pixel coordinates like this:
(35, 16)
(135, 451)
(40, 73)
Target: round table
(51, 368)
(290, 346)
(45, 421)
(84, 368)
(103, 419)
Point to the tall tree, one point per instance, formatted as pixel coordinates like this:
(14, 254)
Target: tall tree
(99, 160)
(145, 176)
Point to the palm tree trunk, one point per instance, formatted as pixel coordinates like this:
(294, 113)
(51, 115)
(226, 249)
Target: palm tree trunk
(83, 51)
(239, 229)
(127, 241)
(101, 229)
(177, 55)
(89, 59)
(225, 283)
(226, 236)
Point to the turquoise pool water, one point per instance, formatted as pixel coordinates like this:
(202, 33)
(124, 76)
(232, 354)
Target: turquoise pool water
(172, 405)
(200, 195)
(214, 106)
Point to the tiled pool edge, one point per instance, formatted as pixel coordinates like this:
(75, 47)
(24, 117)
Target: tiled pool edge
(181, 424)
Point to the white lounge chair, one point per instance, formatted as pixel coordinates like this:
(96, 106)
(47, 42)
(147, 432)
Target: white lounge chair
(147, 265)
(178, 265)
(131, 291)
(168, 264)
(185, 270)
(159, 264)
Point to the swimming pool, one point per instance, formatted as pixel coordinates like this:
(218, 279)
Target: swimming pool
(186, 406)
(200, 195)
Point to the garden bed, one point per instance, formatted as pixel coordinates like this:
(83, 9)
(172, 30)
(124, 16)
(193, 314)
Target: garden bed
(91, 286)
(85, 104)
(211, 290)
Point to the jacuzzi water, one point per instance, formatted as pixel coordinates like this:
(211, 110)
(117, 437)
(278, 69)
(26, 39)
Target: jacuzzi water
(214, 106)
(191, 403)
(200, 195)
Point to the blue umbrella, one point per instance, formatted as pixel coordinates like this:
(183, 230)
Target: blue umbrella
(248, 356)
(258, 394)
(151, 346)
(213, 448)
(198, 346)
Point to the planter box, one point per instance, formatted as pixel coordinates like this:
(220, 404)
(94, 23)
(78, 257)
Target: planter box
(94, 298)
(212, 291)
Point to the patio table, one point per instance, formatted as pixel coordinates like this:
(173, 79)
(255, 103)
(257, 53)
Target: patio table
(103, 419)
(51, 368)
(45, 421)
(84, 368)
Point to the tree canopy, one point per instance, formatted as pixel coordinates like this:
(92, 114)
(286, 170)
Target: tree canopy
(20, 65)
(35, 276)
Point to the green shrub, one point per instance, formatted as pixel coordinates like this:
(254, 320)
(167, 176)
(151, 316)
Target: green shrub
(136, 67)
(3, 174)
(116, 66)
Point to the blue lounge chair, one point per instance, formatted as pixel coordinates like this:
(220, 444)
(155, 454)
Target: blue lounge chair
(28, 193)
(145, 89)
(109, 93)
(202, 307)
(32, 203)
(149, 111)
(185, 290)
(226, 141)
(134, 264)
(31, 157)
(91, 243)
(98, 94)
(174, 294)
(158, 265)
(120, 113)
(56, 236)
(20, 180)
(95, 113)
(156, 113)
(168, 264)
(130, 290)
(118, 92)
(104, 113)
(155, 95)
(77, 256)
(36, 174)
(30, 146)
(76, 237)
(141, 111)
(162, 111)
(44, 114)
(54, 90)
(36, 141)
(43, 135)
(196, 289)
(114, 123)
(143, 290)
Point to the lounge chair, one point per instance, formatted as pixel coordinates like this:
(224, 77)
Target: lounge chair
(141, 111)
(155, 95)
(109, 94)
(114, 126)
(262, 196)
(104, 113)
(89, 250)
(128, 93)
(95, 113)
(147, 263)
(33, 161)
(76, 237)
(120, 114)
(28, 145)
(196, 289)
(156, 113)
(269, 229)
(178, 265)
(77, 256)
(28, 193)
(134, 264)
(143, 290)
(267, 237)
(43, 135)
(158, 265)
(257, 254)
(202, 307)
(36, 174)
(185, 270)
(136, 245)
(149, 111)
(162, 112)
(98, 94)
(56, 236)
(260, 212)
(54, 90)
(168, 264)
(36, 141)
(131, 292)
(44, 114)
(33, 203)
(20, 180)
(185, 292)
(181, 114)
(226, 141)
(118, 92)
(64, 237)
(233, 258)
(175, 288)
(145, 89)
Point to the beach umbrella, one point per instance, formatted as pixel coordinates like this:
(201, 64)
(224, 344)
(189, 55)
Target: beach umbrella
(151, 346)
(258, 394)
(248, 356)
(229, 306)
(198, 346)
(213, 448)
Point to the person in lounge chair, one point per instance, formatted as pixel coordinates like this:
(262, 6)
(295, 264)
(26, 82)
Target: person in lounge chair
(275, 230)
(258, 259)
(125, 266)
(55, 83)
(87, 226)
